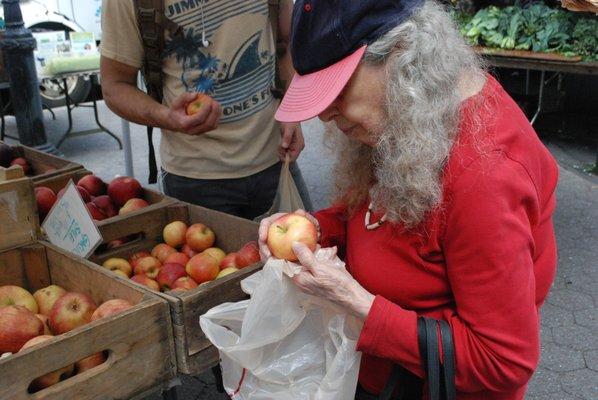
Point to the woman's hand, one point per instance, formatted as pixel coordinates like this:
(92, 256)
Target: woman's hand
(265, 226)
(328, 281)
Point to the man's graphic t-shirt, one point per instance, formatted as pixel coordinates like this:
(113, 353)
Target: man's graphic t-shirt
(236, 69)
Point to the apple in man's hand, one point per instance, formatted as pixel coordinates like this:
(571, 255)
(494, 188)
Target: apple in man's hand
(194, 106)
(291, 228)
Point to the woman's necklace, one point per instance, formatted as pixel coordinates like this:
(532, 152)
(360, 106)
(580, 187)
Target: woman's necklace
(375, 225)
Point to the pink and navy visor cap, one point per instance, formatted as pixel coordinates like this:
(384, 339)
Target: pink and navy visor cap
(328, 40)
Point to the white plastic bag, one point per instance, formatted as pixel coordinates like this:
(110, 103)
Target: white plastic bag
(282, 343)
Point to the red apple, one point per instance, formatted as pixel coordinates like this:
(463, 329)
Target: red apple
(217, 253)
(46, 298)
(124, 188)
(71, 311)
(145, 281)
(149, 266)
(105, 205)
(230, 260)
(51, 378)
(184, 283)
(11, 295)
(115, 243)
(44, 320)
(110, 307)
(118, 264)
(226, 271)
(199, 237)
(45, 199)
(195, 105)
(17, 326)
(84, 193)
(188, 251)
(202, 268)
(162, 251)
(90, 362)
(174, 233)
(94, 185)
(291, 228)
(137, 256)
(247, 255)
(95, 212)
(177, 258)
(168, 274)
(132, 205)
(21, 162)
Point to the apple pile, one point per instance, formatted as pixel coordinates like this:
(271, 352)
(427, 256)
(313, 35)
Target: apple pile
(291, 228)
(185, 260)
(120, 197)
(27, 320)
(7, 159)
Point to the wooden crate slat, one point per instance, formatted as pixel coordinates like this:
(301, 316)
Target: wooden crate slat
(18, 215)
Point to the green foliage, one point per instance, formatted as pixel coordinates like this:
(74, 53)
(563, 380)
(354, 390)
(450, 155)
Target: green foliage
(534, 27)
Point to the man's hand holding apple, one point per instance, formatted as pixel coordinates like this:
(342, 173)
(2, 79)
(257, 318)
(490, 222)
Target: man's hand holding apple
(192, 114)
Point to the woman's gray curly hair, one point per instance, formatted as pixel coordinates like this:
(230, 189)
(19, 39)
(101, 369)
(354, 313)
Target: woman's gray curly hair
(424, 58)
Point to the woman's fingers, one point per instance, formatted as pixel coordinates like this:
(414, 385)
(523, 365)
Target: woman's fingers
(305, 256)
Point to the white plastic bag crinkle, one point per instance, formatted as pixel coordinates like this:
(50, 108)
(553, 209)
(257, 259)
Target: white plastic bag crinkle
(284, 344)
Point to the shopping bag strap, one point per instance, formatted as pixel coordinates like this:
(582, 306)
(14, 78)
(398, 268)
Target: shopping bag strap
(448, 366)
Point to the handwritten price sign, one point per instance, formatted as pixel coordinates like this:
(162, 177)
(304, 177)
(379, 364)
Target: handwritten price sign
(69, 225)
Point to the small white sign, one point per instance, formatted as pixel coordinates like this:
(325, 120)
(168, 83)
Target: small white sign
(69, 225)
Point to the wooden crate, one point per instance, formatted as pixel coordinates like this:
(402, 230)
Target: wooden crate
(139, 341)
(156, 199)
(194, 351)
(43, 165)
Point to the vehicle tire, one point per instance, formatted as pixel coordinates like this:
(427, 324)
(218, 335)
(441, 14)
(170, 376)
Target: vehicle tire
(53, 95)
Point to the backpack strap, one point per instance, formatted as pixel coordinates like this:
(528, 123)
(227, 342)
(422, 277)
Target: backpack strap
(152, 23)
(274, 13)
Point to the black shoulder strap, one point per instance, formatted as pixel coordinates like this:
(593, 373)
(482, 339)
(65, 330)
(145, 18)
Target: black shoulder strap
(448, 365)
(274, 14)
(152, 22)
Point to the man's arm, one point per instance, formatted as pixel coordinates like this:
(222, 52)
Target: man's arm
(292, 142)
(119, 88)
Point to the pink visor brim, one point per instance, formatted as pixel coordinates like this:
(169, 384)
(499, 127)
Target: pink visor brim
(308, 95)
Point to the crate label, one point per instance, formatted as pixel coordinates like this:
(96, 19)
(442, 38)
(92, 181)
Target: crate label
(69, 225)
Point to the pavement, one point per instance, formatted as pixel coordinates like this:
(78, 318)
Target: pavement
(569, 362)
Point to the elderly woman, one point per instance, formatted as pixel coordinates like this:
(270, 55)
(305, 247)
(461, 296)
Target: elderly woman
(445, 194)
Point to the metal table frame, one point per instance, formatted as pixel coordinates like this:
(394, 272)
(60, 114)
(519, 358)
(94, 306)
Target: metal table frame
(92, 75)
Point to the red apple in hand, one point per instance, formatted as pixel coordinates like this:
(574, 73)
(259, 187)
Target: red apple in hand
(202, 268)
(124, 188)
(46, 298)
(195, 105)
(248, 254)
(145, 281)
(168, 274)
(71, 311)
(110, 307)
(291, 228)
(174, 233)
(17, 326)
(94, 185)
(50, 378)
(199, 237)
(11, 295)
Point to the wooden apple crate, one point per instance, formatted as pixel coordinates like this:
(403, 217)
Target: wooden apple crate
(43, 165)
(194, 351)
(139, 341)
(156, 199)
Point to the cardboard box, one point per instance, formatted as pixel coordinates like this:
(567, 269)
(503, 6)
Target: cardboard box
(138, 342)
(194, 351)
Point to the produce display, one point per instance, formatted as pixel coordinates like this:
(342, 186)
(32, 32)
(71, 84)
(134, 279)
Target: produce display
(121, 196)
(8, 159)
(185, 260)
(534, 27)
(27, 320)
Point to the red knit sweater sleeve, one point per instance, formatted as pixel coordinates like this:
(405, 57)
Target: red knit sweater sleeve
(488, 246)
(333, 226)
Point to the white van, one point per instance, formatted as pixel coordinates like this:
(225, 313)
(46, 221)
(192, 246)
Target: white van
(63, 15)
